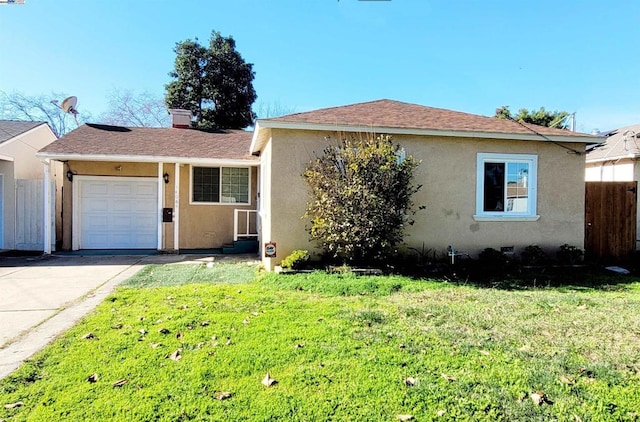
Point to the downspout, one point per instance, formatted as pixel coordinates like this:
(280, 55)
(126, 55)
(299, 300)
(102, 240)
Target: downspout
(160, 204)
(47, 206)
(176, 209)
(259, 209)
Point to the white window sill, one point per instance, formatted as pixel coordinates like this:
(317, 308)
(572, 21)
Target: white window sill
(238, 204)
(506, 218)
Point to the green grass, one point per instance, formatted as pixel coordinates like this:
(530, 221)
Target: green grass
(178, 274)
(340, 348)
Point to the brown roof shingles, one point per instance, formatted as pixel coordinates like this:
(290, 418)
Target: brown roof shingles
(11, 128)
(623, 142)
(104, 140)
(396, 114)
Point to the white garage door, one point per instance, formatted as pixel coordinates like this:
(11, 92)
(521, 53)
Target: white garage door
(117, 212)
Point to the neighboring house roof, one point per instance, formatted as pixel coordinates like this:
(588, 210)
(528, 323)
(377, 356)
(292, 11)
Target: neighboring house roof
(397, 117)
(620, 143)
(104, 143)
(9, 129)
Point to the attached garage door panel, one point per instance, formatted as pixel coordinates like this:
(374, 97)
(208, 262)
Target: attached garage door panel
(118, 214)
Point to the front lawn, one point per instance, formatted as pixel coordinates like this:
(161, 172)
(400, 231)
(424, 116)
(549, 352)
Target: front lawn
(340, 348)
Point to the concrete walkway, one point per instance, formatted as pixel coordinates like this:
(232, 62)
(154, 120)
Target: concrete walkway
(40, 298)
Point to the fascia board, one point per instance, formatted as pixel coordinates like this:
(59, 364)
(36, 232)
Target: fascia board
(427, 132)
(26, 133)
(148, 159)
(260, 138)
(254, 138)
(611, 158)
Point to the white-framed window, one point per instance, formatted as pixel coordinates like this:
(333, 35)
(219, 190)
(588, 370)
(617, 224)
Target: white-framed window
(220, 185)
(506, 187)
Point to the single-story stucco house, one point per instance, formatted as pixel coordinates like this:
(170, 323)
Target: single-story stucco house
(486, 182)
(21, 184)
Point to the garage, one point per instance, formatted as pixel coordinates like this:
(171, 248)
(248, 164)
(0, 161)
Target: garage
(115, 212)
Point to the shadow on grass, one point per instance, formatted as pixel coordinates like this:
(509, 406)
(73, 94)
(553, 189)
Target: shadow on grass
(163, 275)
(515, 277)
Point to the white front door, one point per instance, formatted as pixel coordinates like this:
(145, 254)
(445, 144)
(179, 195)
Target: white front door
(115, 212)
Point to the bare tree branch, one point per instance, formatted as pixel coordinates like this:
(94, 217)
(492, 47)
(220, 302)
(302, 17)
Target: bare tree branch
(127, 108)
(273, 109)
(41, 108)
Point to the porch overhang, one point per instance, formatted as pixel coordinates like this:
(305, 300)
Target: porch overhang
(149, 159)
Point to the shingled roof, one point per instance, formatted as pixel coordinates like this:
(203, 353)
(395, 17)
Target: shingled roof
(620, 143)
(9, 129)
(397, 114)
(96, 141)
(396, 117)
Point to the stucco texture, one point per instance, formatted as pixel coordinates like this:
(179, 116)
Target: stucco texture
(448, 174)
(202, 226)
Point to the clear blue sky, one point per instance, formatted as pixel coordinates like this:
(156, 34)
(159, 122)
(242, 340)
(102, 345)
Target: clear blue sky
(466, 55)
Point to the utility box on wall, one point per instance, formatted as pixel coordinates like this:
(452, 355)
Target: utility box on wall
(167, 215)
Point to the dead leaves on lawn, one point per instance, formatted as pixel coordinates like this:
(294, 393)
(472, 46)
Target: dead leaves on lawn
(120, 382)
(539, 398)
(223, 395)
(176, 356)
(448, 377)
(267, 381)
(93, 378)
(566, 380)
(404, 417)
(14, 405)
(410, 381)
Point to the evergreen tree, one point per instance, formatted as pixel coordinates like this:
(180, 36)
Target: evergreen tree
(214, 83)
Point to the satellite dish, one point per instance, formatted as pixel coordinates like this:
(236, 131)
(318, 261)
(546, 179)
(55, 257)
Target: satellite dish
(69, 105)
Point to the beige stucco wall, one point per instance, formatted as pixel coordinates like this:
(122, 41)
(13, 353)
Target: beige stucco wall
(8, 205)
(25, 165)
(201, 226)
(23, 149)
(611, 171)
(448, 175)
(265, 205)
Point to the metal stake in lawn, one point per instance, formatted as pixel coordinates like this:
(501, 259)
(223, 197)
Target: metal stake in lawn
(451, 251)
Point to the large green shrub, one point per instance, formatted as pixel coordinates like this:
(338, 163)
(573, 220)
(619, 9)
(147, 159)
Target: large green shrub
(360, 198)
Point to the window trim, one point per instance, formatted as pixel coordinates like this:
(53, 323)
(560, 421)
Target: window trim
(532, 186)
(244, 204)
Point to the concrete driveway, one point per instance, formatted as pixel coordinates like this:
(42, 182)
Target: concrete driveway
(42, 297)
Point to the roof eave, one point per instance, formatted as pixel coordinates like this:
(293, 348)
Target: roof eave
(147, 159)
(259, 138)
(27, 132)
(612, 158)
(586, 139)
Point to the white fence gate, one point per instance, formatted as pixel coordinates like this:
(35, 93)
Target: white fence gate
(30, 215)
